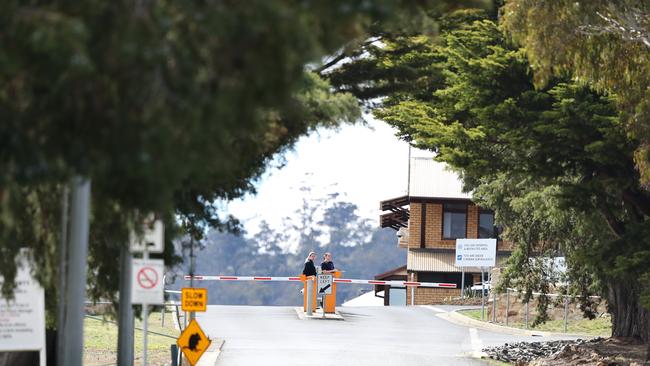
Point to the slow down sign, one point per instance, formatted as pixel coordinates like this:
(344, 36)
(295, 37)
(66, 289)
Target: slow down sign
(194, 299)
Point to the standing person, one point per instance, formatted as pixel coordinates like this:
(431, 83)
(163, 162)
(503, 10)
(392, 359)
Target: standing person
(310, 268)
(327, 266)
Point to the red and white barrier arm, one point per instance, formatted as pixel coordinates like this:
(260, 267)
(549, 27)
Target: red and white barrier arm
(336, 280)
(241, 278)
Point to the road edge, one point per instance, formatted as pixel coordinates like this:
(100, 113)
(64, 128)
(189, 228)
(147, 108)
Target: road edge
(457, 318)
(211, 355)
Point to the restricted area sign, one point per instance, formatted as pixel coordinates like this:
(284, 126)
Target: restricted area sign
(193, 342)
(476, 252)
(325, 284)
(194, 299)
(147, 283)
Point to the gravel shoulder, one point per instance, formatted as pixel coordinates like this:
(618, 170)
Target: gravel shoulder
(597, 351)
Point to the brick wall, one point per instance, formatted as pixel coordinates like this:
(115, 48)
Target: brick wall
(415, 219)
(430, 295)
(433, 227)
(472, 221)
(504, 245)
(433, 237)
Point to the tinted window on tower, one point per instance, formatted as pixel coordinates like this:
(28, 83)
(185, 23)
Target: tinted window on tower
(486, 225)
(454, 220)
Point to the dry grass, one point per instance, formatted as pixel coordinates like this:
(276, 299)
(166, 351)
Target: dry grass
(100, 341)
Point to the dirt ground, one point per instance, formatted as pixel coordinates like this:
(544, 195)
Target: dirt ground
(608, 352)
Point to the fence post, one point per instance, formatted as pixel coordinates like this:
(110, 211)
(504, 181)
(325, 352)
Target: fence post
(412, 289)
(162, 316)
(507, 304)
(566, 312)
(526, 314)
(494, 305)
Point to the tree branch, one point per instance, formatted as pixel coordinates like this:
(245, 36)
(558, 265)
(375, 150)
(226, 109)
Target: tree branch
(627, 23)
(348, 51)
(616, 225)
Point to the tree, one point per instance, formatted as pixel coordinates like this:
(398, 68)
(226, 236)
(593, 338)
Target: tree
(167, 107)
(603, 43)
(555, 162)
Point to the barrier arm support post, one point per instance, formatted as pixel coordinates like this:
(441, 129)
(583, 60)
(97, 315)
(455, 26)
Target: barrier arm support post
(329, 305)
(309, 293)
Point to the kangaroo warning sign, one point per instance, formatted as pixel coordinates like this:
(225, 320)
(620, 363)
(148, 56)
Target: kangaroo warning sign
(193, 342)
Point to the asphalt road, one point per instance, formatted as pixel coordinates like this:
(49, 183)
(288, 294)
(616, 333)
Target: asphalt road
(372, 336)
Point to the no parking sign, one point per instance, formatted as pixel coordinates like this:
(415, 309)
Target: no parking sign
(147, 284)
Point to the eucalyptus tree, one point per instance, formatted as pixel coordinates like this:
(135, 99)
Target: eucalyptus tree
(555, 162)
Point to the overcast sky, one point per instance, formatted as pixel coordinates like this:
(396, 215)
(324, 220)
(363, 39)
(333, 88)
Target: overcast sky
(364, 164)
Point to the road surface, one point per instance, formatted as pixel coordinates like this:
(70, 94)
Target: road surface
(256, 335)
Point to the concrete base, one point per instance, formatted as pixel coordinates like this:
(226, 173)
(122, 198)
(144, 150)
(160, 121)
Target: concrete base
(318, 315)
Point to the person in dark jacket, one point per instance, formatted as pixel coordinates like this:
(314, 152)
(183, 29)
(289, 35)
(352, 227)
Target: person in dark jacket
(310, 268)
(327, 266)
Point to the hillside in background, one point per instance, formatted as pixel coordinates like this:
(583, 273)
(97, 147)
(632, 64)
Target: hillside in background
(359, 249)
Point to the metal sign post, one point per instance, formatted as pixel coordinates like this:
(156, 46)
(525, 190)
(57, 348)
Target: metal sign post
(462, 283)
(145, 315)
(147, 287)
(482, 295)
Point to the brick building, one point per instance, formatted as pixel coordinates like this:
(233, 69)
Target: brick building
(429, 220)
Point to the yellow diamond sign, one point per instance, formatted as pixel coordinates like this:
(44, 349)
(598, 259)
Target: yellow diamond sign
(193, 342)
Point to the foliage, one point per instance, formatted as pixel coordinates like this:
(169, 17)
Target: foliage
(359, 249)
(599, 42)
(167, 107)
(555, 162)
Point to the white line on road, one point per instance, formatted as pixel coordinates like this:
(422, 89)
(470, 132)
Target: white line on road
(477, 345)
(436, 309)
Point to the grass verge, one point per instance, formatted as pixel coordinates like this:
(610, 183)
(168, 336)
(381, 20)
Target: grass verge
(597, 327)
(100, 341)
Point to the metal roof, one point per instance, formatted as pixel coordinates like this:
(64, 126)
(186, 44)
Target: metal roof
(432, 261)
(431, 179)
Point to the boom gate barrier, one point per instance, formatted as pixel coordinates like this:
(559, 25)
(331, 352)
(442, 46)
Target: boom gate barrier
(330, 301)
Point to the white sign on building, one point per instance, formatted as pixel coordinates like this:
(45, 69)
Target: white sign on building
(22, 320)
(147, 283)
(476, 252)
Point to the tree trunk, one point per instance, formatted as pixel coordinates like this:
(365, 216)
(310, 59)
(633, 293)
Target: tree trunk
(629, 318)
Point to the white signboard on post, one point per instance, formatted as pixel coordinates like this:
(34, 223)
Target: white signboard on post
(325, 284)
(476, 252)
(147, 284)
(22, 320)
(153, 238)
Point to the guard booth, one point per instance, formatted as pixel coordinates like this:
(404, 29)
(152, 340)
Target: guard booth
(330, 300)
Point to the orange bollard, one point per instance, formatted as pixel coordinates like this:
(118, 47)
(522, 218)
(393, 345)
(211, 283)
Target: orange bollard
(330, 300)
(304, 280)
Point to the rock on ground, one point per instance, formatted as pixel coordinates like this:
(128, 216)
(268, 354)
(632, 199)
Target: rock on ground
(597, 351)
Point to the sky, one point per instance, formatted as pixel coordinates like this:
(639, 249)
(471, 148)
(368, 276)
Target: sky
(365, 164)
